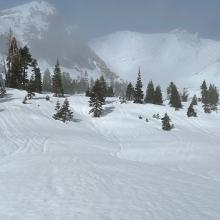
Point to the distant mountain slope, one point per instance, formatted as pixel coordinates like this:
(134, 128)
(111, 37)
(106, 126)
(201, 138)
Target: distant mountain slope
(40, 25)
(176, 56)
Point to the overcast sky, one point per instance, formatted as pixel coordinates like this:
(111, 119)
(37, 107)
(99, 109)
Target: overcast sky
(99, 17)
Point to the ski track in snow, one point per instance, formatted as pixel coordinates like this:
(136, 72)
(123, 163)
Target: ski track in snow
(112, 168)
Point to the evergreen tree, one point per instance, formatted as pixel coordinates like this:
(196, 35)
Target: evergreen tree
(166, 123)
(175, 98)
(57, 81)
(150, 93)
(191, 112)
(57, 115)
(97, 99)
(25, 59)
(47, 81)
(205, 97)
(158, 99)
(130, 92)
(213, 97)
(194, 100)
(204, 92)
(65, 112)
(37, 76)
(138, 96)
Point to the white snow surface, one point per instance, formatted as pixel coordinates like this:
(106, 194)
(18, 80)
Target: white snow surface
(114, 167)
(163, 57)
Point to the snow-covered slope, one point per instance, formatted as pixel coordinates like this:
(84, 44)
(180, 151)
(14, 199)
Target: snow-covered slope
(115, 167)
(39, 25)
(175, 56)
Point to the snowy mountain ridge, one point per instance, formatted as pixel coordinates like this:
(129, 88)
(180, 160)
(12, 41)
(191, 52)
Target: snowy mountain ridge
(39, 25)
(22, 19)
(163, 57)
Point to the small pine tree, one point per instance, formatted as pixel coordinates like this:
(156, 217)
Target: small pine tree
(139, 95)
(149, 98)
(191, 112)
(97, 99)
(158, 99)
(57, 115)
(130, 92)
(175, 98)
(57, 81)
(194, 100)
(205, 97)
(65, 112)
(166, 123)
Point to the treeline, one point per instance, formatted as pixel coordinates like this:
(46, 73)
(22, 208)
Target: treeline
(22, 72)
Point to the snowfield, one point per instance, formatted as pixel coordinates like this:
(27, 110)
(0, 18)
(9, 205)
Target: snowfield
(115, 167)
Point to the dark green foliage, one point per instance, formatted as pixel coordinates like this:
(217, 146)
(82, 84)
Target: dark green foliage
(97, 99)
(191, 112)
(130, 92)
(57, 81)
(204, 92)
(149, 98)
(185, 95)
(25, 61)
(37, 84)
(158, 99)
(138, 95)
(63, 113)
(213, 97)
(175, 97)
(47, 82)
(194, 100)
(166, 123)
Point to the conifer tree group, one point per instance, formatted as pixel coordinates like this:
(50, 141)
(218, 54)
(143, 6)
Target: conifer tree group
(63, 113)
(210, 97)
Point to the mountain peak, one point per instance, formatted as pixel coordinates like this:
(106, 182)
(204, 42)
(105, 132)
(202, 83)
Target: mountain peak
(23, 18)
